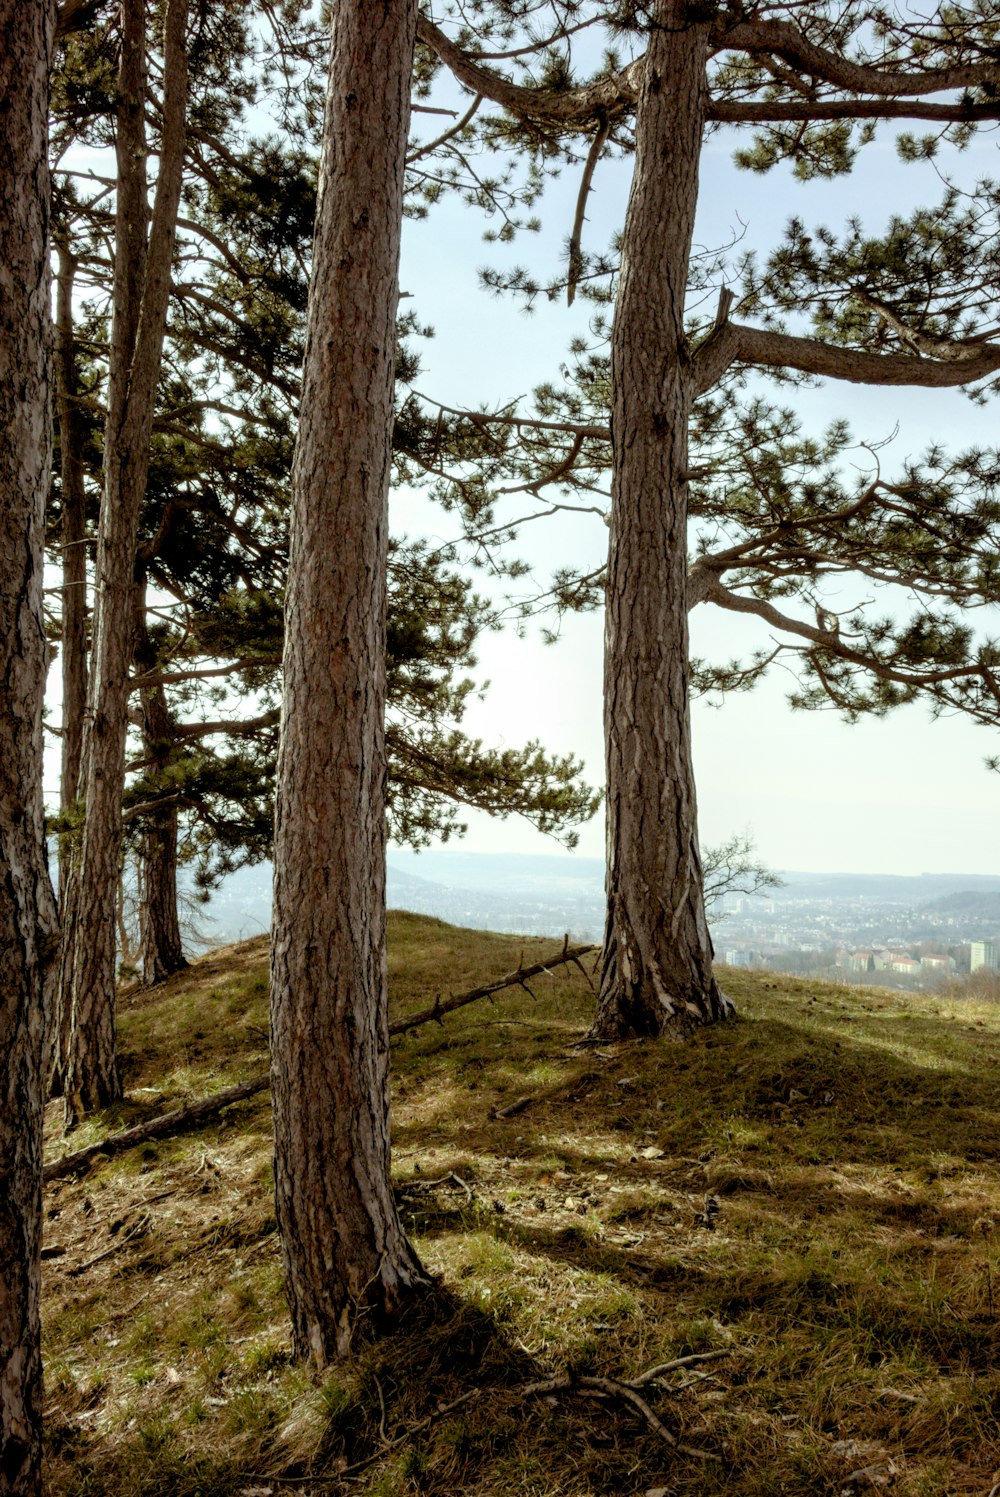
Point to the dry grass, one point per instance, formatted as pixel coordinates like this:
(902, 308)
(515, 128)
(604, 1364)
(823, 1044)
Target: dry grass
(851, 1271)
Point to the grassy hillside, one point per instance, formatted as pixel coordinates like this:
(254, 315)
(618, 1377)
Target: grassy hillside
(812, 1192)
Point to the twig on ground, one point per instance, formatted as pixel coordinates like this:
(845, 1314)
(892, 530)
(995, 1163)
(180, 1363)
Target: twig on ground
(381, 1411)
(130, 1234)
(442, 1180)
(513, 1108)
(346, 1472)
(608, 1387)
(693, 1360)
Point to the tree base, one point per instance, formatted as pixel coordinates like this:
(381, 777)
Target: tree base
(646, 1010)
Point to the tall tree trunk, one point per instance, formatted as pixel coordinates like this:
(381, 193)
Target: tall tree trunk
(162, 948)
(141, 293)
(73, 628)
(658, 954)
(27, 908)
(347, 1262)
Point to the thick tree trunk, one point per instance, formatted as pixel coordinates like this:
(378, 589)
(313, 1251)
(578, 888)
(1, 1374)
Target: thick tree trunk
(657, 972)
(27, 908)
(141, 292)
(348, 1265)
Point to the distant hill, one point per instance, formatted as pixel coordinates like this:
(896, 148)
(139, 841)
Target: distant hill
(500, 871)
(983, 904)
(913, 889)
(550, 894)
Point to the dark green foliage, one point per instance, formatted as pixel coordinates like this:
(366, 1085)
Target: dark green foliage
(213, 544)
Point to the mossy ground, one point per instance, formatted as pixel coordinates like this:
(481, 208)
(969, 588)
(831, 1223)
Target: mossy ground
(850, 1273)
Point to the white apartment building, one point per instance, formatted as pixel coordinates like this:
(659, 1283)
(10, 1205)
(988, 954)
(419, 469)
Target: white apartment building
(985, 954)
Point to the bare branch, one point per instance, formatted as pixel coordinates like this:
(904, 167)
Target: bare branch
(575, 253)
(737, 343)
(782, 39)
(609, 97)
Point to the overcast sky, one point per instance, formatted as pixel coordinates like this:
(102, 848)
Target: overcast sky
(903, 795)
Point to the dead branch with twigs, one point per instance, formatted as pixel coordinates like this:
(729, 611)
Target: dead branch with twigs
(442, 1006)
(620, 1390)
(167, 1124)
(192, 1113)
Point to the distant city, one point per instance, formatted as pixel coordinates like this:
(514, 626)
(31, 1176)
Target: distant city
(885, 929)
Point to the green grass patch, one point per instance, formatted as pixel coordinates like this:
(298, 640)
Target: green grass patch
(811, 1192)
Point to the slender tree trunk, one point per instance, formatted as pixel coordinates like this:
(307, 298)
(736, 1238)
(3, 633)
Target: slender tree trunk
(27, 908)
(347, 1262)
(141, 293)
(162, 948)
(73, 628)
(160, 933)
(658, 954)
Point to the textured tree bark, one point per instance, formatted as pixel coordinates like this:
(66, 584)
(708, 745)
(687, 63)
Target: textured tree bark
(74, 534)
(348, 1265)
(141, 292)
(162, 947)
(73, 630)
(27, 908)
(657, 973)
(160, 932)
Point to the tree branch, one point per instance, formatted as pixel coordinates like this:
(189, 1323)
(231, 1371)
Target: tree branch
(736, 343)
(726, 111)
(440, 1007)
(607, 96)
(783, 39)
(575, 252)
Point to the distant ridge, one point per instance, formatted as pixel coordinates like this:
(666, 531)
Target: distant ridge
(547, 894)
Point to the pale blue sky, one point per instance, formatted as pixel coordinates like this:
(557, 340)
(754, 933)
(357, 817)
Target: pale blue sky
(902, 795)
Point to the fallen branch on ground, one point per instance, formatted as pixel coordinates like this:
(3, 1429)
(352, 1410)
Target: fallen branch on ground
(450, 1179)
(196, 1112)
(168, 1123)
(442, 1006)
(610, 1387)
(589, 1387)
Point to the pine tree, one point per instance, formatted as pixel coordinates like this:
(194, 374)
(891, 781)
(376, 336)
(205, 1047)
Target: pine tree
(804, 82)
(27, 910)
(345, 1253)
(212, 531)
(144, 254)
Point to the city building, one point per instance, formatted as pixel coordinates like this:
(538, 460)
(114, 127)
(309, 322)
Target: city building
(985, 954)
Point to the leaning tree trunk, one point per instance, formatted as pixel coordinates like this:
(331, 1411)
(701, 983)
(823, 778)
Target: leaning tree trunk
(348, 1265)
(658, 954)
(141, 293)
(27, 907)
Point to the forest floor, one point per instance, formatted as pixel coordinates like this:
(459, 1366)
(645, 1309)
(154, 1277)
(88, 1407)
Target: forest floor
(811, 1194)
